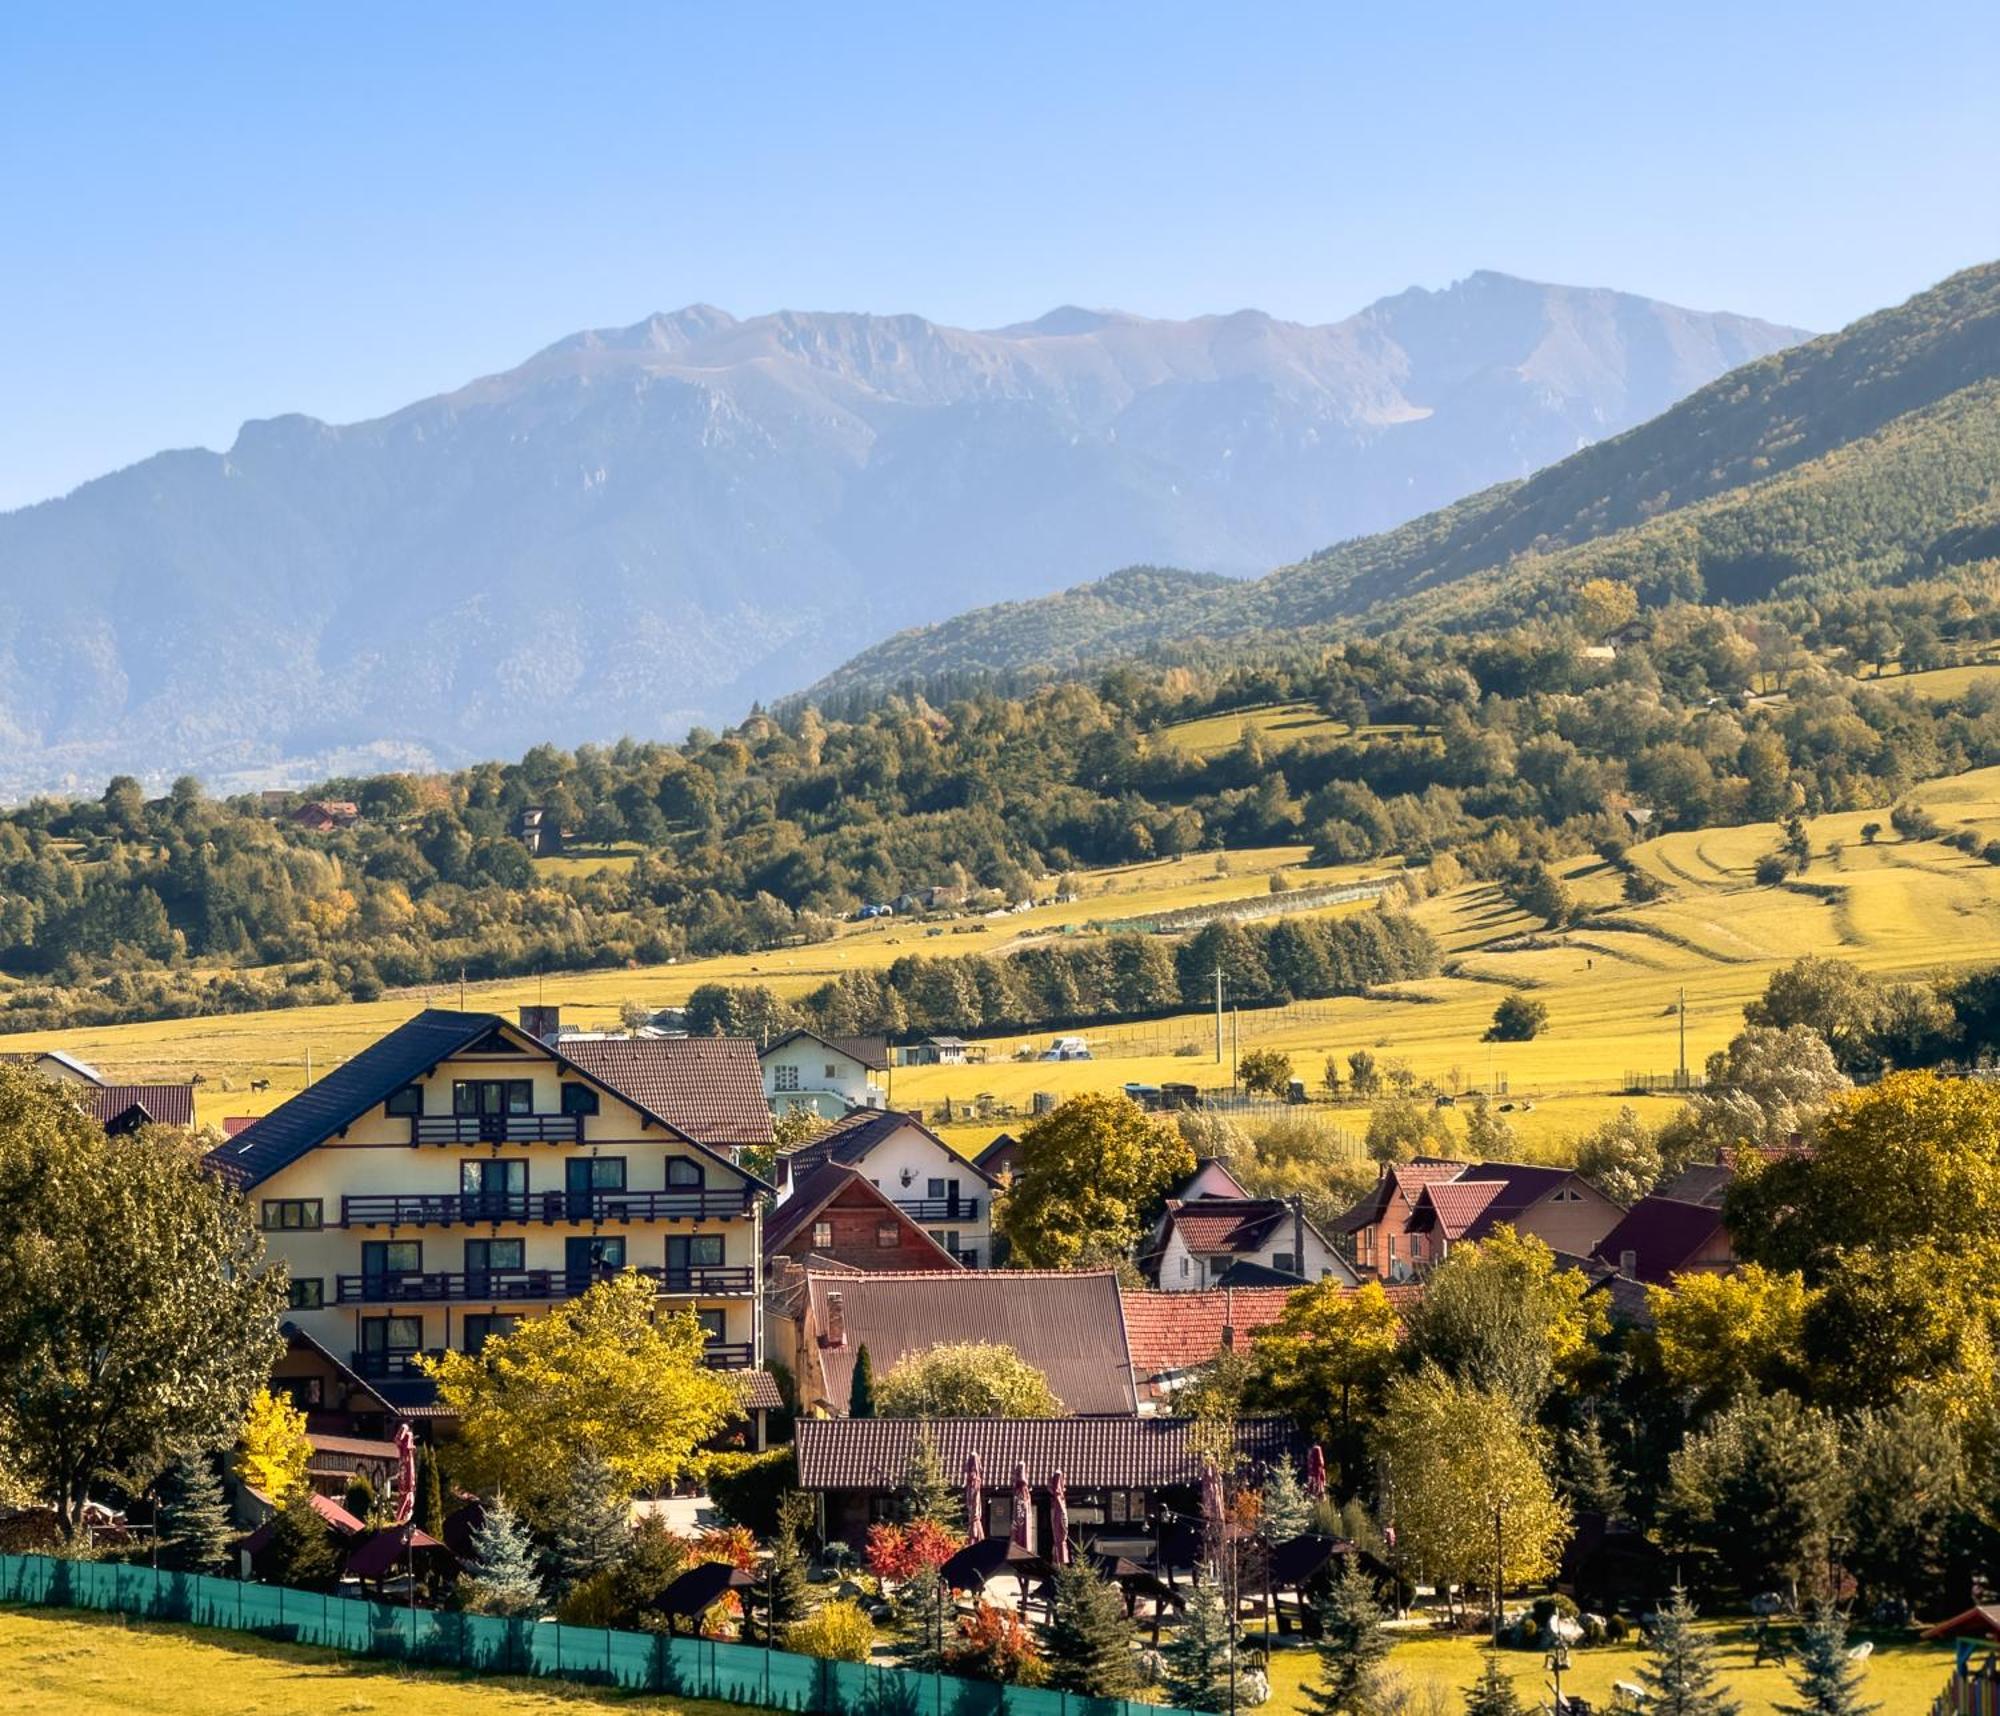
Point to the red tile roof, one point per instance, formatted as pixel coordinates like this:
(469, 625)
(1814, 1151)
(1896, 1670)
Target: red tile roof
(1068, 1324)
(1092, 1453)
(1454, 1205)
(711, 1088)
(1209, 1226)
(163, 1104)
(1178, 1331)
(1400, 1180)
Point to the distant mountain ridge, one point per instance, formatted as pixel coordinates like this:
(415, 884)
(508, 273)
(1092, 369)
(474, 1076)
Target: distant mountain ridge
(645, 527)
(1870, 454)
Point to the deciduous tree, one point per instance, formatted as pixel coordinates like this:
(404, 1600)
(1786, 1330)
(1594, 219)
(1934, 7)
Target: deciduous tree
(1092, 1173)
(966, 1379)
(273, 1449)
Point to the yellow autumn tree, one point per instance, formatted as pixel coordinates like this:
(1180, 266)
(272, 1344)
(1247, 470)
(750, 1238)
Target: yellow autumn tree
(607, 1370)
(1091, 1173)
(1721, 1336)
(273, 1449)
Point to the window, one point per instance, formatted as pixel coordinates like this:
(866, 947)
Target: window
(784, 1078)
(934, 1188)
(683, 1171)
(481, 1329)
(391, 1334)
(306, 1292)
(307, 1393)
(887, 1236)
(822, 1235)
(948, 1238)
(694, 1251)
(1184, 1268)
(493, 1096)
(482, 1255)
(487, 1178)
(1285, 1263)
(832, 1072)
(578, 1099)
(291, 1215)
(711, 1325)
(408, 1100)
(392, 1257)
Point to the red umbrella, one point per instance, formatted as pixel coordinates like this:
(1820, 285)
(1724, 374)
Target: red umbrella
(1024, 1508)
(1058, 1520)
(975, 1501)
(1315, 1471)
(406, 1474)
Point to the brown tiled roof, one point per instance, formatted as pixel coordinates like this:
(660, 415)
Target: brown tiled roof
(760, 1391)
(163, 1104)
(1178, 1331)
(1484, 1196)
(1454, 1205)
(852, 1138)
(818, 1189)
(1068, 1324)
(711, 1088)
(1404, 1180)
(1214, 1225)
(1091, 1453)
(1700, 1183)
(1662, 1234)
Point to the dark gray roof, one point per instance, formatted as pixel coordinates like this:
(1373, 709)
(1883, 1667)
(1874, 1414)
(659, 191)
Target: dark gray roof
(408, 1052)
(1091, 1453)
(849, 1142)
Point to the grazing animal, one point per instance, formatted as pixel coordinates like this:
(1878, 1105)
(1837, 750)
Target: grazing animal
(260, 1084)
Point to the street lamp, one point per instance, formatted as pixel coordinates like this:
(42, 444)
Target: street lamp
(1558, 1665)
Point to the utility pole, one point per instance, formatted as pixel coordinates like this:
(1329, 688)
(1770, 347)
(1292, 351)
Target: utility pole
(309, 1066)
(1235, 1044)
(1218, 1013)
(1681, 1015)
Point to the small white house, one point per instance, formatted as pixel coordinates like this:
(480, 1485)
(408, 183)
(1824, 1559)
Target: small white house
(1246, 1242)
(826, 1076)
(930, 1182)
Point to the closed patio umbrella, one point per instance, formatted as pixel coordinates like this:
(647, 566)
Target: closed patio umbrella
(975, 1501)
(1058, 1520)
(406, 1475)
(1315, 1471)
(1024, 1508)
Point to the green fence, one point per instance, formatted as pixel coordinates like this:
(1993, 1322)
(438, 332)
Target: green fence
(487, 1644)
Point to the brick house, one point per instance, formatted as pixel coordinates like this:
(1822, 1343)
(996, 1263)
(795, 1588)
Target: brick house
(837, 1213)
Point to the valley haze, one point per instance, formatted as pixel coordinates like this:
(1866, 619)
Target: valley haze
(645, 528)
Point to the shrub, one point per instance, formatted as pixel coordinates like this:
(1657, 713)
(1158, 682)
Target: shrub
(993, 1645)
(745, 1487)
(1267, 1070)
(839, 1632)
(1616, 1630)
(1517, 1019)
(1773, 868)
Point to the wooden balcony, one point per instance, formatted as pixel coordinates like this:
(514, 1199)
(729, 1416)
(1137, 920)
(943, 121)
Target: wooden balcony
(939, 1209)
(388, 1366)
(482, 1209)
(495, 1286)
(496, 1128)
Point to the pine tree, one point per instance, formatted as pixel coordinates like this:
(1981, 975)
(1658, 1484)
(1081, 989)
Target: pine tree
(787, 1592)
(1198, 1656)
(928, 1493)
(1288, 1510)
(430, 1494)
(924, 1618)
(861, 1391)
(502, 1571)
(1590, 1474)
(1828, 1684)
(1679, 1676)
(1492, 1694)
(299, 1554)
(1088, 1641)
(192, 1518)
(592, 1522)
(1353, 1644)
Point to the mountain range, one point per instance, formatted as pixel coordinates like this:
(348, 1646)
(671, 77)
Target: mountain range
(644, 528)
(1870, 455)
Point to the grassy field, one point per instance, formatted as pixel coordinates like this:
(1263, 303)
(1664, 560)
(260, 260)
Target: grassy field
(1278, 723)
(1897, 908)
(64, 1664)
(1940, 684)
(1901, 1676)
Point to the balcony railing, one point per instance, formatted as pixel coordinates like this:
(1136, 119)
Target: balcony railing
(460, 1209)
(381, 1366)
(444, 1286)
(496, 1129)
(940, 1209)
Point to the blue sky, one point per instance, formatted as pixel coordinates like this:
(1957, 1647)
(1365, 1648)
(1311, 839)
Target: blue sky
(213, 212)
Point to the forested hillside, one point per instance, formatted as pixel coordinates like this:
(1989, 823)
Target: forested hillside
(1867, 456)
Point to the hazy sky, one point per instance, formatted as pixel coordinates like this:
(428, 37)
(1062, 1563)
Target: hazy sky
(210, 212)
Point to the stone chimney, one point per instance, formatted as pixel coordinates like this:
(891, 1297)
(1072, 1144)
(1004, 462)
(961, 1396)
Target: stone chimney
(1628, 1264)
(836, 1320)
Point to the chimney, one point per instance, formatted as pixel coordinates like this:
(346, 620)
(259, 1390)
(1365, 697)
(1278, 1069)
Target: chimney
(1299, 1235)
(1229, 1319)
(836, 1320)
(544, 1024)
(1628, 1264)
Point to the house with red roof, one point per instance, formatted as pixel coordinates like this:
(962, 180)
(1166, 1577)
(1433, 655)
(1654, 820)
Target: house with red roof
(1378, 1226)
(1173, 1335)
(711, 1089)
(1558, 1206)
(930, 1181)
(837, 1214)
(1239, 1241)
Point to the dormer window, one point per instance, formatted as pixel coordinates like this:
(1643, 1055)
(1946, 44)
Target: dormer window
(408, 1100)
(579, 1099)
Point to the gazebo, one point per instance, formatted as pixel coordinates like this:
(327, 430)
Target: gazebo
(699, 1589)
(395, 1547)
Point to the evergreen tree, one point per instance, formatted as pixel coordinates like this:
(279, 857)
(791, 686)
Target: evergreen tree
(924, 1621)
(192, 1516)
(1590, 1474)
(787, 1593)
(1198, 1655)
(1679, 1676)
(300, 1554)
(861, 1391)
(359, 1498)
(430, 1494)
(1492, 1694)
(927, 1492)
(1088, 1641)
(502, 1571)
(592, 1522)
(1287, 1510)
(1828, 1684)
(1353, 1644)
